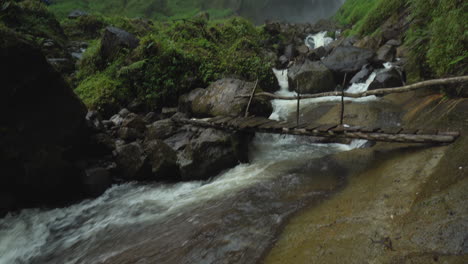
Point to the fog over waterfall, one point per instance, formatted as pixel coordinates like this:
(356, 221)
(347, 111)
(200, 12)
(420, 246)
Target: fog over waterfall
(291, 11)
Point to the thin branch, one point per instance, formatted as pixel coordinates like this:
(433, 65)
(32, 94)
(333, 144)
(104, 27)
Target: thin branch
(377, 92)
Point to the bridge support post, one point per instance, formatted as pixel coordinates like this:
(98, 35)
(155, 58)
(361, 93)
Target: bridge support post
(342, 99)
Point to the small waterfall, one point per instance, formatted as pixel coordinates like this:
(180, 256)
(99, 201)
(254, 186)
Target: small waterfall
(318, 40)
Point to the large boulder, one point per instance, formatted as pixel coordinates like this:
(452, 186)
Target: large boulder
(161, 129)
(312, 77)
(347, 59)
(154, 160)
(162, 160)
(208, 154)
(43, 122)
(115, 39)
(221, 98)
(387, 79)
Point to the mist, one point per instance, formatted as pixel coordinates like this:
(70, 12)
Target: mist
(290, 11)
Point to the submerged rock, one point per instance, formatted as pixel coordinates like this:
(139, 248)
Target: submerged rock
(312, 77)
(387, 79)
(348, 59)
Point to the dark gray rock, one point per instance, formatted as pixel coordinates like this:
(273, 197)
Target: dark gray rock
(302, 50)
(134, 121)
(97, 180)
(162, 160)
(290, 52)
(167, 112)
(124, 112)
(151, 117)
(115, 39)
(282, 62)
(348, 59)
(317, 54)
(136, 106)
(130, 159)
(180, 140)
(161, 129)
(312, 77)
(386, 53)
(363, 74)
(208, 154)
(76, 14)
(94, 121)
(129, 134)
(387, 79)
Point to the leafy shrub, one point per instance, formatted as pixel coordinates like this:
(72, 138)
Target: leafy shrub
(179, 57)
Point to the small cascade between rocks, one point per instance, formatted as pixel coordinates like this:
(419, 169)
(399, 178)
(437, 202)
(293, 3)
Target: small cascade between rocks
(231, 218)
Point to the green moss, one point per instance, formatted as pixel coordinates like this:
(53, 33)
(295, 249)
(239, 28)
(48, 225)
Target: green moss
(366, 16)
(153, 9)
(30, 17)
(181, 56)
(100, 92)
(437, 39)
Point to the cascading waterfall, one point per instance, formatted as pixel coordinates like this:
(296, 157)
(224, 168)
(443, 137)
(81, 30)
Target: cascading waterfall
(240, 208)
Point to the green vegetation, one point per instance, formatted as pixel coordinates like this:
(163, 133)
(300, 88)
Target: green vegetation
(32, 19)
(437, 38)
(439, 35)
(366, 16)
(154, 9)
(173, 59)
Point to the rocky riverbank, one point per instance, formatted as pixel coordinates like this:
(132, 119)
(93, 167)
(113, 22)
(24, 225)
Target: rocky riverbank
(401, 203)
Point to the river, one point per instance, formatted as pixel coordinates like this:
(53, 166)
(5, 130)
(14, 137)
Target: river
(232, 218)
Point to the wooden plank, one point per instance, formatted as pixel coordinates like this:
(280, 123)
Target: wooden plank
(352, 128)
(325, 128)
(235, 123)
(427, 132)
(268, 124)
(222, 120)
(391, 130)
(369, 129)
(409, 131)
(216, 118)
(339, 129)
(449, 133)
(254, 123)
(312, 127)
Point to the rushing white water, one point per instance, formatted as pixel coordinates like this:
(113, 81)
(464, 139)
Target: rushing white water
(318, 40)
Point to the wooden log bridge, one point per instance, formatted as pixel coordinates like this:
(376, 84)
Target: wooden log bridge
(332, 131)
